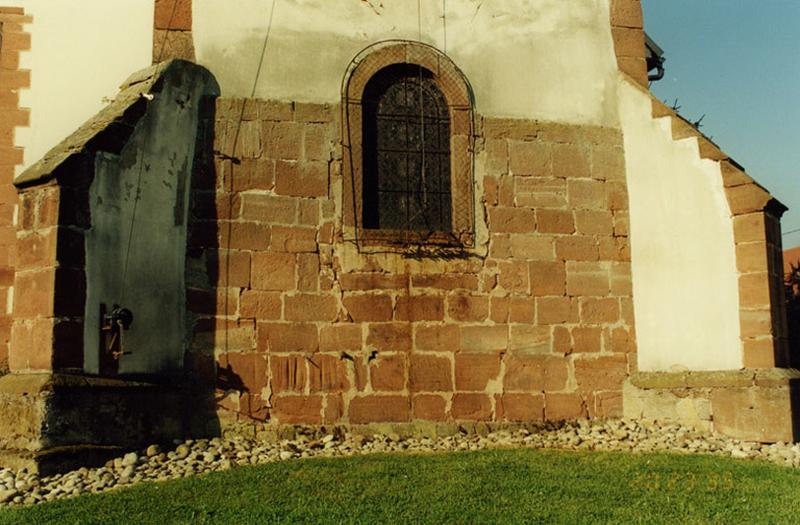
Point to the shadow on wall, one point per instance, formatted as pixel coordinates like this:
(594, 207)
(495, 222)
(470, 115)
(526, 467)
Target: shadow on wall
(220, 363)
(792, 283)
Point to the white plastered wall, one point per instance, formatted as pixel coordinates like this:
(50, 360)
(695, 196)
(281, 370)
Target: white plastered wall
(685, 290)
(80, 53)
(550, 59)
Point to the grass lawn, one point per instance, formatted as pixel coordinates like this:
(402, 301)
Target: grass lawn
(497, 486)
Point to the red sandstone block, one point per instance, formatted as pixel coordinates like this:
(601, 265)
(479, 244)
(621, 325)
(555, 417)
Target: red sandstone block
(246, 369)
(308, 212)
(587, 339)
(468, 308)
(529, 339)
(15, 79)
(750, 227)
(521, 310)
(555, 221)
(512, 220)
(556, 310)
(529, 158)
(297, 410)
(445, 281)
(173, 14)
(491, 188)
(496, 157)
(505, 191)
(475, 371)
(619, 340)
(260, 305)
(298, 240)
(499, 309)
(388, 373)
(429, 373)
(576, 248)
(533, 373)
(587, 279)
(48, 207)
(571, 161)
(11, 156)
(586, 194)
(598, 311)
(607, 405)
(628, 41)
(514, 276)
(471, 407)
(380, 409)
(480, 338)
(759, 352)
(562, 341)
(340, 337)
(31, 345)
(614, 249)
(269, 208)
(608, 162)
(548, 278)
(389, 337)
(253, 407)
(429, 407)
(288, 337)
(13, 117)
(500, 246)
(273, 271)
(437, 338)
(519, 407)
(601, 372)
(419, 308)
(532, 248)
(368, 307)
(616, 196)
(301, 179)
(594, 222)
(372, 281)
(250, 174)
(34, 293)
(626, 13)
(308, 272)
(244, 235)
(307, 112)
(754, 290)
(310, 307)
(327, 373)
(564, 407)
(317, 142)
(333, 410)
(37, 250)
(283, 140)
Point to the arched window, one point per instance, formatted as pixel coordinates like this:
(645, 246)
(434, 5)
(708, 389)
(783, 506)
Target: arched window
(406, 149)
(408, 139)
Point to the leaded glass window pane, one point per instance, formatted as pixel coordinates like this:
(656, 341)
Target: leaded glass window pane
(406, 148)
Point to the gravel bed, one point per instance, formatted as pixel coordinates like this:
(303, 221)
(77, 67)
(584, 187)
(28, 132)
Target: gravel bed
(194, 457)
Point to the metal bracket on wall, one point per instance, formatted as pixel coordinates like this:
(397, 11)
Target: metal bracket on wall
(112, 324)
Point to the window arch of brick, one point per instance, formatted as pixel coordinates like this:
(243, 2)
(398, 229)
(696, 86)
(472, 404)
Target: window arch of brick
(397, 59)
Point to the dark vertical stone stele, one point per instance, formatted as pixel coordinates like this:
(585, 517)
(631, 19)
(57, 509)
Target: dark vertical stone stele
(120, 190)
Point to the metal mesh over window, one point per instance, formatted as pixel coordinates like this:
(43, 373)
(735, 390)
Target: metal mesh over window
(406, 139)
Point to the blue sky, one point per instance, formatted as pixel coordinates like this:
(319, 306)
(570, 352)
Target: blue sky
(738, 62)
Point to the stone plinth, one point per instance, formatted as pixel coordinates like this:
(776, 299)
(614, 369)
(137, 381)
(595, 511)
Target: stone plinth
(752, 405)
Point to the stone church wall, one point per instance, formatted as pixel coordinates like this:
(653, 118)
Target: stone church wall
(535, 322)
